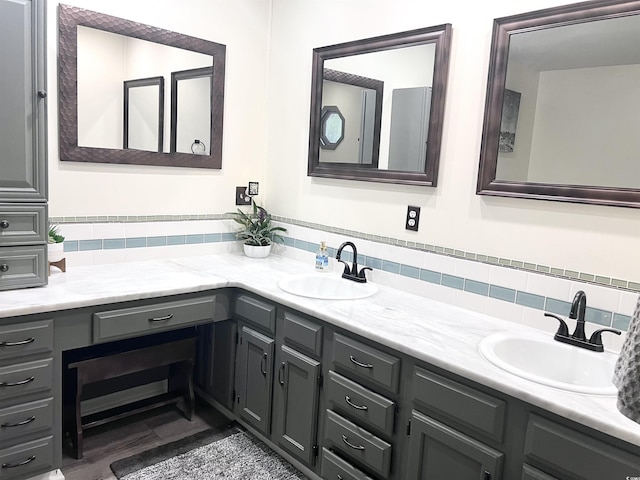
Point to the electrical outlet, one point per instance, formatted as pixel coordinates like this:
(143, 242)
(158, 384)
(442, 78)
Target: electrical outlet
(413, 218)
(241, 196)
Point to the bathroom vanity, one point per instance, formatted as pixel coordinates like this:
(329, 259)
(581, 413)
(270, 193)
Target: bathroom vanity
(388, 387)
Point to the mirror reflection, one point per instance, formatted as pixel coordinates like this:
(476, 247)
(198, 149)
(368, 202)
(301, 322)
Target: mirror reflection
(562, 106)
(190, 112)
(390, 91)
(144, 114)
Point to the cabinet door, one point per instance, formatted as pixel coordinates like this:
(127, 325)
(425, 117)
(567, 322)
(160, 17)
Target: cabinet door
(216, 360)
(22, 116)
(254, 377)
(296, 403)
(438, 452)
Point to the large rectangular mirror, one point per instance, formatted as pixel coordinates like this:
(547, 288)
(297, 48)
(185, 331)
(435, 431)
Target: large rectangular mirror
(561, 117)
(97, 54)
(377, 107)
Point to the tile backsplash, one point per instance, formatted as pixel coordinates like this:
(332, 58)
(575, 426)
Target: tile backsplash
(499, 289)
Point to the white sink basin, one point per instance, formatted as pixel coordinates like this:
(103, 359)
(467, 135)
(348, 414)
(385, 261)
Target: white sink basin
(326, 286)
(539, 358)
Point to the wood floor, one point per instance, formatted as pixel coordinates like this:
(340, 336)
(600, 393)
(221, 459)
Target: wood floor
(121, 439)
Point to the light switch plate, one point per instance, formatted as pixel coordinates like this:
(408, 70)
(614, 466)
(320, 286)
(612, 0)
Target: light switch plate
(413, 218)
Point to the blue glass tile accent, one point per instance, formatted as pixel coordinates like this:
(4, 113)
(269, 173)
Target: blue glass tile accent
(599, 317)
(530, 300)
(85, 245)
(288, 241)
(430, 276)
(374, 263)
(175, 239)
(347, 256)
(558, 306)
(301, 244)
(409, 271)
(228, 237)
(391, 267)
(331, 252)
(502, 293)
(195, 238)
(313, 247)
(136, 242)
(156, 241)
(112, 243)
(479, 288)
(621, 322)
(212, 237)
(452, 281)
(70, 246)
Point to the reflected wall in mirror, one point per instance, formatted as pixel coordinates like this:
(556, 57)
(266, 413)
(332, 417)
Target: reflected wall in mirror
(391, 91)
(190, 112)
(144, 114)
(91, 95)
(576, 71)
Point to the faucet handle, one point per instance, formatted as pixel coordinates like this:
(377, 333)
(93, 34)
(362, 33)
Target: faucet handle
(361, 273)
(596, 337)
(563, 329)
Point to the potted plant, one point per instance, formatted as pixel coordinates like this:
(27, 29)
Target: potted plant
(55, 249)
(257, 232)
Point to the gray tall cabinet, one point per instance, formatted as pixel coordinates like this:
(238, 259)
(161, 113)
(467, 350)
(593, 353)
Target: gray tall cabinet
(23, 159)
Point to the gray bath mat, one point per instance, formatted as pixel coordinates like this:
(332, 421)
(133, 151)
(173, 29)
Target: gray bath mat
(227, 453)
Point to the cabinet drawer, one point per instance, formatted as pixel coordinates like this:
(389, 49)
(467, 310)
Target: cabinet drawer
(302, 333)
(25, 378)
(357, 443)
(530, 473)
(256, 311)
(26, 418)
(476, 410)
(335, 468)
(574, 454)
(26, 338)
(360, 403)
(128, 322)
(22, 267)
(27, 458)
(366, 362)
(21, 225)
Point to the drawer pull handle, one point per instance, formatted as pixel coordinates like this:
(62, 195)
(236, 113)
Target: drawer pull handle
(347, 399)
(360, 364)
(355, 447)
(18, 343)
(19, 424)
(4, 224)
(486, 476)
(161, 319)
(16, 384)
(263, 364)
(339, 476)
(21, 464)
(281, 373)
(4, 268)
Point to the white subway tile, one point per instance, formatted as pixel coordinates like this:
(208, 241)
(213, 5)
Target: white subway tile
(547, 286)
(504, 310)
(77, 259)
(473, 270)
(143, 229)
(101, 257)
(628, 302)
(605, 298)
(507, 277)
(469, 301)
(108, 230)
(76, 231)
(439, 263)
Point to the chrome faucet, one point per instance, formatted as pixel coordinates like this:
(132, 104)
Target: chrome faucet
(352, 273)
(578, 338)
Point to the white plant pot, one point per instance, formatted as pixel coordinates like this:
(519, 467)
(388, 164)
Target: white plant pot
(55, 251)
(259, 251)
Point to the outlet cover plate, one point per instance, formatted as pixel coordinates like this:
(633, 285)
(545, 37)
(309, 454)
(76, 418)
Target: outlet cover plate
(241, 196)
(413, 218)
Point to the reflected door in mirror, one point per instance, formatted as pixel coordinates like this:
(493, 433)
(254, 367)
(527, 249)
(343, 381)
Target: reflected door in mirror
(190, 111)
(144, 114)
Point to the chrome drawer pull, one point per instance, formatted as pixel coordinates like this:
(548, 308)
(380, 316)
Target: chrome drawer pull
(4, 268)
(4, 224)
(15, 384)
(161, 319)
(15, 465)
(339, 476)
(19, 424)
(18, 343)
(363, 365)
(357, 407)
(355, 447)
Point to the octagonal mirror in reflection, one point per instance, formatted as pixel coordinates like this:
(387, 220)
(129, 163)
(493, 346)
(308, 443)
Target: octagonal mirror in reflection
(332, 127)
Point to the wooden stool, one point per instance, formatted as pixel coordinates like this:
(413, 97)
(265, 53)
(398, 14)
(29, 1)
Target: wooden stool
(179, 356)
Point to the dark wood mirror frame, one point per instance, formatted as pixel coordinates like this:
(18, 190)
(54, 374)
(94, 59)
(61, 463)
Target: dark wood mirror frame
(144, 82)
(503, 28)
(439, 35)
(69, 18)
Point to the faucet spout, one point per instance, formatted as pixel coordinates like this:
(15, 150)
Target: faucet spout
(578, 308)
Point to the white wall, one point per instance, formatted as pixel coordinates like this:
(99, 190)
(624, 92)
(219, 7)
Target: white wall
(597, 239)
(78, 189)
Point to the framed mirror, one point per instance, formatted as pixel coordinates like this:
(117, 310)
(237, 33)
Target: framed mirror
(561, 115)
(92, 70)
(144, 114)
(390, 91)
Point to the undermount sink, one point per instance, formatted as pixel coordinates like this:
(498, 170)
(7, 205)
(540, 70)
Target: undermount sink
(326, 286)
(539, 358)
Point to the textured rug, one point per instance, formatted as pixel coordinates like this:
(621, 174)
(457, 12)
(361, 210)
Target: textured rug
(227, 453)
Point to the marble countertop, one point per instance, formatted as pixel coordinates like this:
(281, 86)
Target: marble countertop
(437, 333)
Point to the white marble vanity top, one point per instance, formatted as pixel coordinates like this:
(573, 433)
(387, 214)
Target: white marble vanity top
(428, 330)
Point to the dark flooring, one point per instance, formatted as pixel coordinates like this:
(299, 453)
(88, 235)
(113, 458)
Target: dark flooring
(123, 438)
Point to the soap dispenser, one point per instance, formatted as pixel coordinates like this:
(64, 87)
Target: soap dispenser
(322, 258)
